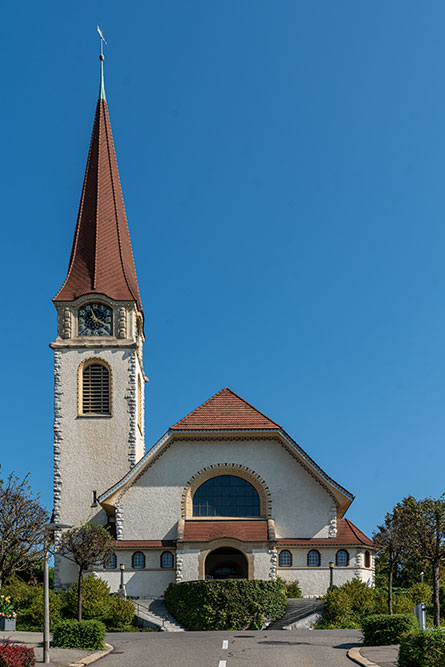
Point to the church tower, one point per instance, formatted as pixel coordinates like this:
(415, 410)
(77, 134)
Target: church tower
(98, 366)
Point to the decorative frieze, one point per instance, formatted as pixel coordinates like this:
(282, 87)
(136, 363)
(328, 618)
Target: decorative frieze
(66, 324)
(179, 565)
(332, 531)
(58, 438)
(119, 523)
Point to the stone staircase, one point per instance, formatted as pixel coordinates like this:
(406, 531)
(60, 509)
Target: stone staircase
(154, 613)
(300, 613)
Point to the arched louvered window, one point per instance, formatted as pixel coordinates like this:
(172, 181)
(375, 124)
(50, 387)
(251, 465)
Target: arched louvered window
(111, 562)
(367, 559)
(342, 558)
(95, 389)
(167, 559)
(313, 558)
(285, 558)
(138, 560)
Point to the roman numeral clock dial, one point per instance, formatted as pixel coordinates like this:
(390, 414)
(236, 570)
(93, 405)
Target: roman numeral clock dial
(95, 319)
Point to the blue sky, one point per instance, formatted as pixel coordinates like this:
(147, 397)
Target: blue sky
(283, 172)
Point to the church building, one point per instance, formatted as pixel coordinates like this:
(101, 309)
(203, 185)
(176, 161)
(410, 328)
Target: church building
(226, 492)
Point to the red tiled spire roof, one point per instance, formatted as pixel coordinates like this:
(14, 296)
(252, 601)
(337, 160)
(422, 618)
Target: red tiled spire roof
(101, 257)
(225, 410)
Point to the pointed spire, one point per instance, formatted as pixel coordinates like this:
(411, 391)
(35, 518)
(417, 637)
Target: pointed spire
(101, 58)
(101, 257)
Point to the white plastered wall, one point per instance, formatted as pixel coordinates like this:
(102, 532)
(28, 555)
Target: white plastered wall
(149, 582)
(151, 507)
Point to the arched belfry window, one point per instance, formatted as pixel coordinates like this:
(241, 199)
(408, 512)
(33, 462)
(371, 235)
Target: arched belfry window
(226, 495)
(94, 390)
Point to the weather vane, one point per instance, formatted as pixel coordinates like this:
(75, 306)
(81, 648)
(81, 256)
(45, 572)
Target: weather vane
(102, 40)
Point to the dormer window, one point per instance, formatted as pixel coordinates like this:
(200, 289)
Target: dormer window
(95, 319)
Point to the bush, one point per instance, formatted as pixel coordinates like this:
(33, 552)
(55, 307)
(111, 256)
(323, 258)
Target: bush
(347, 605)
(423, 649)
(95, 598)
(383, 629)
(14, 655)
(86, 634)
(421, 593)
(239, 604)
(28, 603)
(119, 615)
(292, 588)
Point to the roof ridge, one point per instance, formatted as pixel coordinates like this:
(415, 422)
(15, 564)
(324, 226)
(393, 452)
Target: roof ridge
(252, 406)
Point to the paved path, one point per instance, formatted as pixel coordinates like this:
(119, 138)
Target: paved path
(300, 648)
(297, 609)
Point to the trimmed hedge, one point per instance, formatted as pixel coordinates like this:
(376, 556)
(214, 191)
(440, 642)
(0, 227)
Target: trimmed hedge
(239, 604)
(86, 634)
(423, 649)
(14, 655)
(383, 629)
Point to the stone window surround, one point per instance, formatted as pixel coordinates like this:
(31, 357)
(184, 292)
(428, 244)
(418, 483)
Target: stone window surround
(315, 551)
(348, 560)
(216, 470)
(88, 362)
(167, 567)
(133, 557)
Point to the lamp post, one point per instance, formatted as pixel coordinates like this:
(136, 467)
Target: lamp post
(421, 577)
(49, 528)
(331, 575)
(122, 590)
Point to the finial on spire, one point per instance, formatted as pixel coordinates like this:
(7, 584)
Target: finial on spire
(101, 58)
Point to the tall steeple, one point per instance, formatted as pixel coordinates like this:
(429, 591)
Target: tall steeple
(101, 257)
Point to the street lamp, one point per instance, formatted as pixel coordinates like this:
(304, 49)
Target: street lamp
(331, 575)
(50, 527)
(421, 577)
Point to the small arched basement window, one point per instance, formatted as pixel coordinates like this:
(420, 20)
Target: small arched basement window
(95, 388)
(110, 562)
(285, 558)
(138, 560)
(313, 558)
(167, 559)
(342, 558)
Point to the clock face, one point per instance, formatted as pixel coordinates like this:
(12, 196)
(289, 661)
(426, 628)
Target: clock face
(95, 319)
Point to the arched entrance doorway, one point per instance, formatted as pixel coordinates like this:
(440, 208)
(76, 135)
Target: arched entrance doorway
(226, 563)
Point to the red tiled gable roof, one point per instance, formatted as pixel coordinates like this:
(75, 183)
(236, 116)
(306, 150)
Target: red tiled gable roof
(101, 257)
(347, 533)
(141, 544)
(205, 531)
(225, 410)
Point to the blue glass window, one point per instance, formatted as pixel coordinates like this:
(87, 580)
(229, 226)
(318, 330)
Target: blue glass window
(226, 495)
(342, 558)
(285, 559)
(110, 562)
(167, 559)
(138, 560)
(313, 558)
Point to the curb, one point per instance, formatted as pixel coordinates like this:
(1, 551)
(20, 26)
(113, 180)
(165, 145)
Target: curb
(93, 657)
(355, 655)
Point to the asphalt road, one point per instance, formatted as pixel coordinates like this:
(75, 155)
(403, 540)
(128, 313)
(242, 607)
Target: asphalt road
(299, 648)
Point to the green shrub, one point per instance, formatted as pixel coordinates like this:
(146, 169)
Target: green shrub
(420, 593)
(383, 629)
(292, 588)
(86, 634)
(347, 605)
(28, 603)
(423, 649)
(95, 598)
(119, 615)
(239, 604)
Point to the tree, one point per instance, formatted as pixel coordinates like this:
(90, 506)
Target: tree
(392, 536)
(22, 526)
(427, 537)
(86, 546)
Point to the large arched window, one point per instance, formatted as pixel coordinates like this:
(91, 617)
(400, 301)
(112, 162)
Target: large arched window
(342, 558)
(95, 388)
(226, 495)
